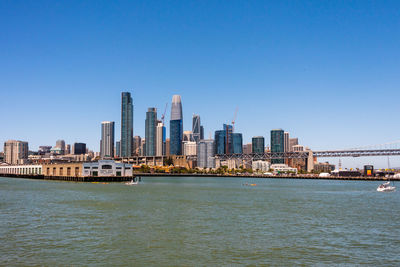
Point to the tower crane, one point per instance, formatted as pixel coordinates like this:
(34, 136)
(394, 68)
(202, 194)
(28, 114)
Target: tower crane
(234, 119)
(165, 111)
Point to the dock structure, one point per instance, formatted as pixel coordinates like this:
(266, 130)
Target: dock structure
(108, 179)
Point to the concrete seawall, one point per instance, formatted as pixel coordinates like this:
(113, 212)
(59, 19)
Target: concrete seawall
(125, 178)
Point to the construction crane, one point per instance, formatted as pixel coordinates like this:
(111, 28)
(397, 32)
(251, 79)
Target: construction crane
(165, 111)
(234, 119)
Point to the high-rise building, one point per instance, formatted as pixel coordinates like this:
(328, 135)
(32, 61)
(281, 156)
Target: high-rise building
(79, 148)
(286, 141)
(247, 149)
(118, 149)
(188, 136)
(61, 145)
(126, 124)
(160, 139)
(107, 139)
(237, 143)
(167, 147)
(227, 142)
(67, 149)
(277, 145)
(176, 126)
(150, 131)
(189, 148)
(205, 154)
(143, 147)
(15, 152)
(258, 144)
(202, 132)
(293, 142)
(137, 141)
(196, 128)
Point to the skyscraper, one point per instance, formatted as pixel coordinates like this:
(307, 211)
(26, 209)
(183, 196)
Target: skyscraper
(205, 154)
(176, 126)
(150, 131)
(137, 141)
(118, 149)
(227, 142)
(202, 132)
(107, 139)
(277, 145)
(79, 148)
(15, 152)
(237, 142)
(126, 124)
(258, 144)
(286, 142)
(160, 139)
(196, 128)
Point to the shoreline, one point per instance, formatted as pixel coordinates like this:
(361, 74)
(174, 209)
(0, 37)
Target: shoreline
(128, 178)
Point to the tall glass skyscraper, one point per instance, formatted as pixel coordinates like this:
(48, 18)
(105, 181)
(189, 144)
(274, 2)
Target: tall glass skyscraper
(126, 124)
(107, 139)
(196, 128)
(227, 142)
(150, 131)
(258, 144)
(176, 126)
(277, 144)
(237, 141)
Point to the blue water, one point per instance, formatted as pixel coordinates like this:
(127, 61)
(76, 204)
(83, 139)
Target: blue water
(198, 222)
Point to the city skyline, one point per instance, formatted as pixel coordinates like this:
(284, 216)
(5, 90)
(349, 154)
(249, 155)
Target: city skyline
(325, 68)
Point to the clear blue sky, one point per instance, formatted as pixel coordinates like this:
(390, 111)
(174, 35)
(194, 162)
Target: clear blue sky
(326, 71)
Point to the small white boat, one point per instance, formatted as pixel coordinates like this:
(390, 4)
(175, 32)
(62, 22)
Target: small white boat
(132, 182)
(386, 187)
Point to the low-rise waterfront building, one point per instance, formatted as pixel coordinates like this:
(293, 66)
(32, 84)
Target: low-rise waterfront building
(106, 168)
(21, 169)
(261, 165)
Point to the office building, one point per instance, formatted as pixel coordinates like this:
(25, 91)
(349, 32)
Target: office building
(79, 148)
(126, 125)
(286, 141)
(137, 141)
(189, 148)
(67, 149)
(150, 131)
(277, 145)
(202, 132)
(107, 139)
(258, 144)
(44, 150)
(117, 153)
(205, 154)
(247, 149)
(160, 139)
(143, 147)
(176, 126)
(188, 136)
(260, 165)
(15, 152)
(293, 142)
(237, 141)
(196, 128)
(167, 147)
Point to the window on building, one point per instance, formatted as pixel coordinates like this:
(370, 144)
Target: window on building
(106, 167)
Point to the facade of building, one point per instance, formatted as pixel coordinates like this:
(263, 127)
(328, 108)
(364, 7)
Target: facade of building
(293, 142)
(15, 152)
(202, 132)
(261, 165)
(126, 124)
(277, 144)
(188, 136)
(196, 128)
(160, 139)
(247, 149)
(106, 168)
(219, 138)
(62, 169)
(258, 144)
(137, 141)
(44, 150)
(118, 149)
(205, 154)
(22, 169)
(176, 126)
(324, 167)
(189, 148)
(150, 131)
(286, 141)
(107, 139)
(283, 168)
(79, 148)
(237, 143)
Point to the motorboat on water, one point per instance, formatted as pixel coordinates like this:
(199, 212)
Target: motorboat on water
(132, 182)
(386, 187)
